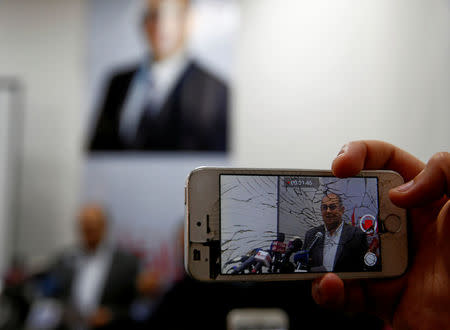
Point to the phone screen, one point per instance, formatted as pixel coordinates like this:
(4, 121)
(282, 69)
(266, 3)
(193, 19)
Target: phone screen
(288, 224)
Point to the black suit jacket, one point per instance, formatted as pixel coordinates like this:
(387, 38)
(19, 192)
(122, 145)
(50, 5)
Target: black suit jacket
(194, 116)
(349, 254)
(119, 287)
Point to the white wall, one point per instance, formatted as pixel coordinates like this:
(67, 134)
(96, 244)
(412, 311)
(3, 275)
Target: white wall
(313, 75)
(42, 45)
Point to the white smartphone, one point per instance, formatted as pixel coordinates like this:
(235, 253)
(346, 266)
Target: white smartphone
(271, 225)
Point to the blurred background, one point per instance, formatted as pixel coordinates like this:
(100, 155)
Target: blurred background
(91, 203)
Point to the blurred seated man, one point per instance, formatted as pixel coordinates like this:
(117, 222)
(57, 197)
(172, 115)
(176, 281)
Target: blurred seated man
(96, 280)
(167, 102)
(341, 247)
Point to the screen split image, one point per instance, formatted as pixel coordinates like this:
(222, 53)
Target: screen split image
(298, 224)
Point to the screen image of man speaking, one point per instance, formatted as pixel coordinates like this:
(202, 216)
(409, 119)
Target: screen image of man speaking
(335, 246)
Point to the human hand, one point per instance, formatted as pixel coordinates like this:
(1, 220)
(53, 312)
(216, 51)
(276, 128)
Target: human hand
(420, 299)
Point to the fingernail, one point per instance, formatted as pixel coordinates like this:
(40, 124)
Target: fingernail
(405, 187)
(343, 150)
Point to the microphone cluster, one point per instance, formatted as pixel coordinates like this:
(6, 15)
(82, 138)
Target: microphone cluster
(280, 258)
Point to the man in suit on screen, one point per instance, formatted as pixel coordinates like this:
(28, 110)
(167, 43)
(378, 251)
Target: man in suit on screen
(335, 246)
(168, 101)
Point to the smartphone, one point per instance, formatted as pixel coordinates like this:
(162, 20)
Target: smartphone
(271, 225)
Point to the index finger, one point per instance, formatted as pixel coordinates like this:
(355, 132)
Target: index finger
(375, 155)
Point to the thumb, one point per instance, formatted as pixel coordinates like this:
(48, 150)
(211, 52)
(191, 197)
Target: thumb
(429, 185)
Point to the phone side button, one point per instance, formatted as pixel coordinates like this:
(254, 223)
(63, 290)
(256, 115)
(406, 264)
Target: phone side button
(185, 195)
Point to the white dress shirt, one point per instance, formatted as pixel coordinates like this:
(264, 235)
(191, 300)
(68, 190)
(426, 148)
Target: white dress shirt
(152, 84)
(330, 246)
(89, 280)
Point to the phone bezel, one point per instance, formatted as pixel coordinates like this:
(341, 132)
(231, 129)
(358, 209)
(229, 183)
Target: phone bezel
(203, 205)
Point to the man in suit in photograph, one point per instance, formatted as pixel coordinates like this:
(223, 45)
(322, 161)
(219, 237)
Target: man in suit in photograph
(96, 280)
(335, 246)
(167, 102)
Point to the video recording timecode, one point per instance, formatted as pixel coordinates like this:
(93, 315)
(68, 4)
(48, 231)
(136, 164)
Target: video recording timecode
(301, 182)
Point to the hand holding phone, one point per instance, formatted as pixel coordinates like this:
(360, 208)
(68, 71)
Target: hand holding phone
(421, 298)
